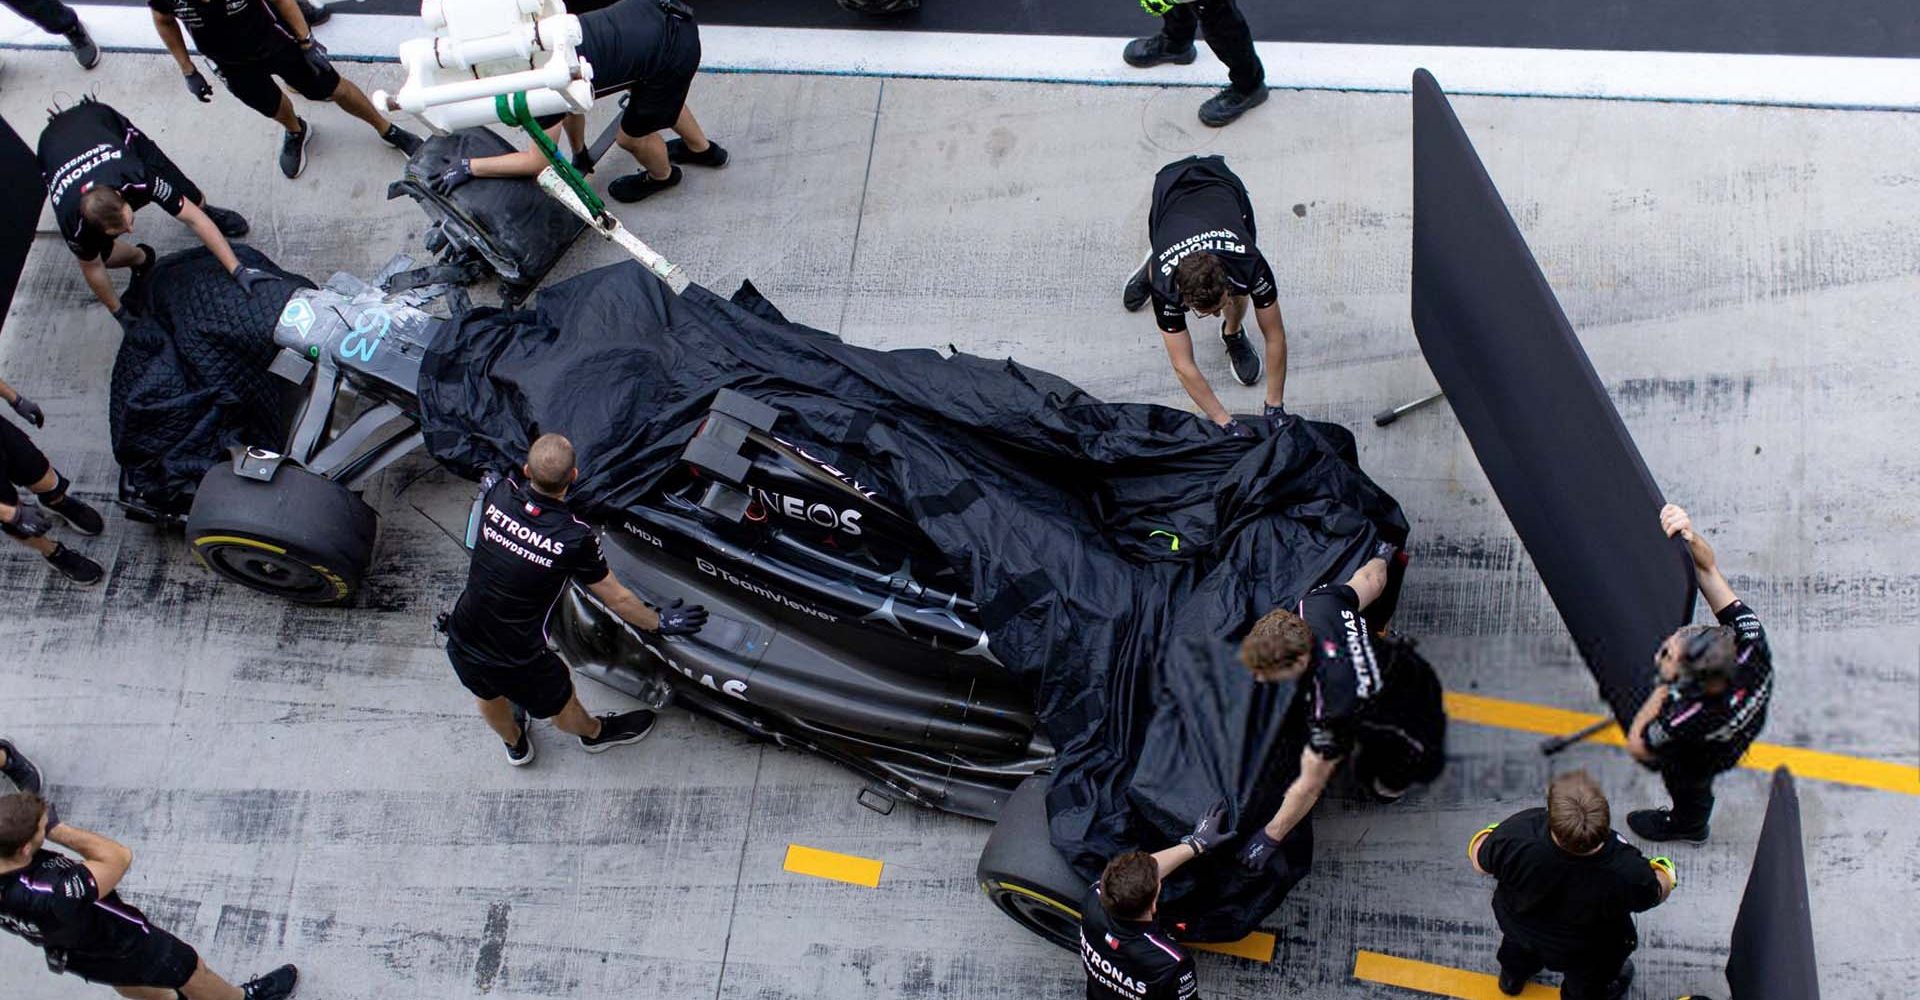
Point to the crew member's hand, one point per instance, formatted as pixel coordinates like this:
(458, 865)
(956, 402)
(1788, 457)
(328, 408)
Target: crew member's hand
(250, 278)
(1210, 832)
(453, 177)
(28, 522)
(1236, 429)
(124, 317)
(53, 815)
(315, 55)
(198, 86)
(679, 619)
(1675, 522)
(1258, 850)
(29, 410)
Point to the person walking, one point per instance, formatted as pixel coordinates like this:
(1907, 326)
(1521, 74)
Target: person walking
(1229, 38)
(530, 548)
(250, 42)
(25, 466)
(56, 18)
(69, 905)
(1709, 702)
(1567, 888)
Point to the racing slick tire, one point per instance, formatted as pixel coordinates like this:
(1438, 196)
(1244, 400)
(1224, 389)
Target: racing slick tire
(1024, 876)
(298, 535)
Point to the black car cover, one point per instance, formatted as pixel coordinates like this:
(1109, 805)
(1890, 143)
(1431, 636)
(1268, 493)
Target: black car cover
(191, 377)
(1537, 415)
(19, 211)
(1060, 509)
(1772, 953)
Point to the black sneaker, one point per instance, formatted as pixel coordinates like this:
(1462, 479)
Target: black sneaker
(583, 161)
(1139, 287)
(1241, 354)
(521, 754)
(231, 224)
(1153, 50)
(1229, 104)
(637, 186)
(1657, 825)
(401, 139)
(715, 155)
(619, 730)
(1511, 984)
(293, 150)
(76, 513)
(1277, 417)
(19, 769)
(316, 14)
(75, 566)
(276, 985)
(1617, 990)
(85, 52)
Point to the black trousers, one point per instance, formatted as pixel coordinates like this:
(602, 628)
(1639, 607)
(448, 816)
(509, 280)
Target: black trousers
(53, 17)
(1692, 789)
(1227, 35)
(1588, 978)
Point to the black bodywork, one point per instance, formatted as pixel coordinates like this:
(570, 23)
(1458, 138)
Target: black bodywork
(837, 628)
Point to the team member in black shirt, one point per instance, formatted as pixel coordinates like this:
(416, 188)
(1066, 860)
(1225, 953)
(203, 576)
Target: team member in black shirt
(1326, 634)
(23, 466)
(1568, 890)
(1229, 38)
(529, 548)
(650, 49)
(99, 170)
(72, 910)
(1203, 258)
(1710, 702)
(250, 43)
(1125, 953)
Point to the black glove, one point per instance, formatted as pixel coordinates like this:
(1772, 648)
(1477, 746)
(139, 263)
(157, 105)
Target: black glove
(1277, 416)
(1258, 851)
(53, 815)
(453, 177)
(1236, 429)
(1386, 550)
(250, 278)
(124, 317)
(28, 522)
(680, 618)
(198, 86)
(19, 769)
(29, 410)
(315, 56)
(1210, 832)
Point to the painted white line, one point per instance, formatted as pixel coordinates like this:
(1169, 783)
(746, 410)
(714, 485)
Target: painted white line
(1809, 81)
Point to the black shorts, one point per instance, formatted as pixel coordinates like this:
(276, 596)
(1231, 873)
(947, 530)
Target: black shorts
(655, 102)
(160, 961)
(542, 687)
(21, 462)
(252, 81)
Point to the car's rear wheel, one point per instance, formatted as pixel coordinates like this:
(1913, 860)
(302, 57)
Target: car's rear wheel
(298, 536)
(1024, 876)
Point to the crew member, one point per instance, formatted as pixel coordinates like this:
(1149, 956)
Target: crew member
(1567, 892)
(650, 49)
(1327, 634)
(72, 910)
(1229, 38)
(529, 548)
(56, 18)
(1203, 258)
(250, 43)
(1709, 702)
(99, 170)
(25, 466)
(1126, 954)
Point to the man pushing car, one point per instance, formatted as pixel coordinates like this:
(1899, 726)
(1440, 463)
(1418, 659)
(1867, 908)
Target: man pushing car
(530, 546)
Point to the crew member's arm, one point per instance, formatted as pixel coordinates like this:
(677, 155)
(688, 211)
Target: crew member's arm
(1210, 832)
(1666, 875)
(525, 163)
(622, 602)
(203, 227)
(107, 860)
(1315, 772)
(1370, 580)
(95, 271)
(295, 21)
(1706, 568)
(176, 42)
(1637, 732)
(1273, 330)
(1480, 863)
(1180, 351)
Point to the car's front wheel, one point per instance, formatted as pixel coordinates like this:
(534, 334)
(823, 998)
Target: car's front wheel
(298, 535)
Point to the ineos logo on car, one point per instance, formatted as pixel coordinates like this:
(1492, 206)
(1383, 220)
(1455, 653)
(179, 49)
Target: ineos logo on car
(799, 509)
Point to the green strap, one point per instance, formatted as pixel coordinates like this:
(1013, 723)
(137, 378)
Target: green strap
(513, 112)
(1169, 534)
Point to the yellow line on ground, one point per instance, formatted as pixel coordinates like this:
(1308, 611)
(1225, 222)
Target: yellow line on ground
(830, 865)
(1257, 946)
(1864, 772)
(1437, 979)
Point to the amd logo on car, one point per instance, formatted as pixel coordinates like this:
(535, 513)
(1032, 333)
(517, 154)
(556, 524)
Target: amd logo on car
(822, 514)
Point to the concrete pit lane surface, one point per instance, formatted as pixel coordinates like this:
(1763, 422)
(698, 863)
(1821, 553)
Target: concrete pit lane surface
(314, 786)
